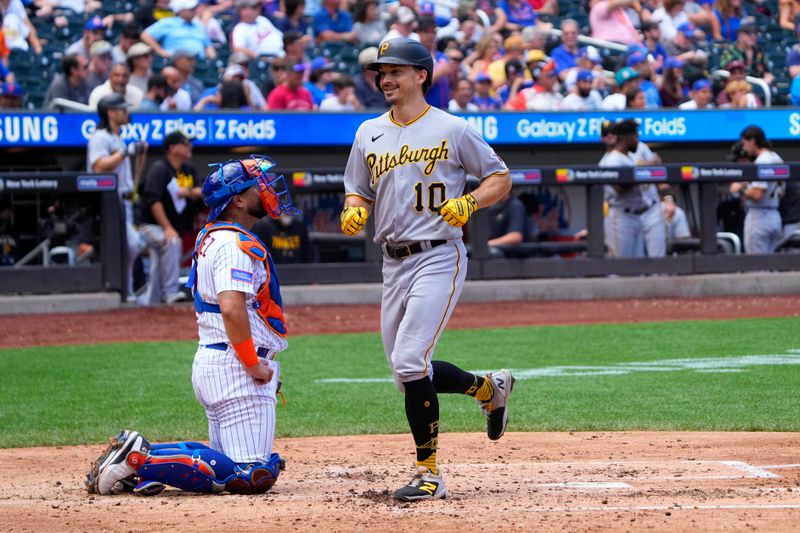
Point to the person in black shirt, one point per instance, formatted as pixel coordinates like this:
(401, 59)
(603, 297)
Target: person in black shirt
(507, 221)
(169, 198)
(286, 238)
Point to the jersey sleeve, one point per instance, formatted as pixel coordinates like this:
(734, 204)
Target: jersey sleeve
(357, 173)
(477, 157)
(233, 270)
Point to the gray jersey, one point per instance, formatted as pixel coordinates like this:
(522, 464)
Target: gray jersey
(103, 143)
(414, 168)
(773, 190)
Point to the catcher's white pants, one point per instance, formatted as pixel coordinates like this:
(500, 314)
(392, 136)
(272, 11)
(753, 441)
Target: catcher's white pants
(241, 414)
(419, 295)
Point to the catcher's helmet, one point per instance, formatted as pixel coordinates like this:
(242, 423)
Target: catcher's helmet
(403, 51)
(235, 176)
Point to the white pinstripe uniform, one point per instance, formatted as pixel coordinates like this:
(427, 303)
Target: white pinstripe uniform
(408, 171)
(241, 414)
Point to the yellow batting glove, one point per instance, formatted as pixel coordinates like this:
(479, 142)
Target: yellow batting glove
(353, 219)
(456, 211)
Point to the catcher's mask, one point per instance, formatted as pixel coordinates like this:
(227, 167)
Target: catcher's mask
(235, 176)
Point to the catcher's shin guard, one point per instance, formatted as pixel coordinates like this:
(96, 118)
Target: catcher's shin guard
(190, 472)
(256, 479)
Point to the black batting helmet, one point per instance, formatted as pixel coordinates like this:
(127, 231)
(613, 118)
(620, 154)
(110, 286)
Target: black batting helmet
(403, 51)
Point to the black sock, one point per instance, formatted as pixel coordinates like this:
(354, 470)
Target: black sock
(422, 411)
(448, 378)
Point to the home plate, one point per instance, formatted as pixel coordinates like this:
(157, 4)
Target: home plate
(588, 485)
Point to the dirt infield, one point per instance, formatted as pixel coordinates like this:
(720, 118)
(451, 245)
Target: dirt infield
(525, 482)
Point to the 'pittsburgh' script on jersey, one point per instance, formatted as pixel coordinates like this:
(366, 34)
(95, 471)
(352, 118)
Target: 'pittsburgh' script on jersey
(380, 165)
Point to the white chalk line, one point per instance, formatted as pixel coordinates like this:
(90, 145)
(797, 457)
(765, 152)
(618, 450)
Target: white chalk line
(778, 467)
(755, 471)
(706, 365)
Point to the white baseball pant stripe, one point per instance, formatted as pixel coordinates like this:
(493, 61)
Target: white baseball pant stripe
(241, 414)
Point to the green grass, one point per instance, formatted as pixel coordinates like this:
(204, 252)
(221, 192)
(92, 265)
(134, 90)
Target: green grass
(82, 394)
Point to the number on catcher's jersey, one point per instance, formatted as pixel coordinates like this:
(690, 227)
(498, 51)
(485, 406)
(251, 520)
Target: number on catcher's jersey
(437, 194)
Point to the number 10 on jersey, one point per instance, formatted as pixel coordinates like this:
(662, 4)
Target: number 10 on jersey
(436, 196)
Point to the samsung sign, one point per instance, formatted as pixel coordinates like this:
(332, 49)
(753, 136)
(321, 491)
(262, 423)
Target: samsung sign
(27, 129)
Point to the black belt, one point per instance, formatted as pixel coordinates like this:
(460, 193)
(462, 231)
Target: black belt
(222, 346)
(127, 196)
(405, 249)
(639, 210)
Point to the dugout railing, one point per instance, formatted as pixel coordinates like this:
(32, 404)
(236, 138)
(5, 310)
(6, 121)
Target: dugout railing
(700, 181)
(42, 206)
(29, 192)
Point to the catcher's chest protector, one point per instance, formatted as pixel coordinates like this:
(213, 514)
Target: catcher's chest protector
(268, 303)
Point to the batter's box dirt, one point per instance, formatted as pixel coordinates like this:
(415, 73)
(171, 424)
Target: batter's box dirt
(524, 482)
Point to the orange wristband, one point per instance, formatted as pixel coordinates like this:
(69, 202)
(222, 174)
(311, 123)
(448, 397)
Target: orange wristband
(246, 351)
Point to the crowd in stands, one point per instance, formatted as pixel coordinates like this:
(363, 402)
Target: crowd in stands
(489, 54)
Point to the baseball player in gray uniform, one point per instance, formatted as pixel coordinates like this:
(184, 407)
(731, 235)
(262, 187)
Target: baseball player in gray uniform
(762, 223)
(407, 169)
(635, 218)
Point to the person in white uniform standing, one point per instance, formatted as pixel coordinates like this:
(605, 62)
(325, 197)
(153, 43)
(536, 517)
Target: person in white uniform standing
(762, 224)
(241, 324)
(407, 169)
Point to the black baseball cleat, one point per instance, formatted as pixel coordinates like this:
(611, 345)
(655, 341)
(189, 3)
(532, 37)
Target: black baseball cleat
(423, 486)
(112, 465)
(496, 409)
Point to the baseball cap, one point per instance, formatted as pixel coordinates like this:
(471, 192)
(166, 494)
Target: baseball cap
(748, 25)
(636, 58)
(625, 74)
(321, 63)
(405, 15)
(534, 56)
(113, 101)
(735, 64)
(367, 56)
(513, 67)
(138, 49)
(701, 84)
(95, 23)
(627, 126)
(590, 53)
(427, 8)
(584, 75)
(687, 29)
(176, 6)
(247, 3)
(232, 71)
(238, 58)
(176, 137)
(99, 48)
(673, 62)
(11, 89)
(482, 76)
(793, 56)
(295, 66)
(608, 127)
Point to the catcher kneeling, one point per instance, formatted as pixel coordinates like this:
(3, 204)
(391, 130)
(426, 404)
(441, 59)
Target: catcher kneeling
(241, 328)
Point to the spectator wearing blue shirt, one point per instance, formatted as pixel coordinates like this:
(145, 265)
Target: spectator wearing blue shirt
(641, 64)
(729, 13)
(331, 24)
(181, 32)
(294, 19)
(651, 41)
(319, 81)
(566, 54)
(483, 98)
(793, 65)
(515, 14)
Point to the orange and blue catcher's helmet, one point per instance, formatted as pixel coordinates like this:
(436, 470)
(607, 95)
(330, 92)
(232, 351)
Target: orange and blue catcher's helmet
(235, 176)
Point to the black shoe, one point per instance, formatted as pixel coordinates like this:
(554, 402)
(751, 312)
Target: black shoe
(423, 486)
